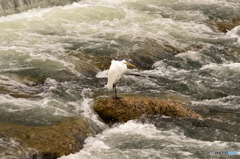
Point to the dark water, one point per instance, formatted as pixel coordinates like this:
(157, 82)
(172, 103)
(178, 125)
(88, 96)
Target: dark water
(184, 50)
(16, 6)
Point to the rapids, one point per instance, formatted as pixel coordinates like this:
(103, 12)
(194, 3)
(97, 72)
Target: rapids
(187, 50)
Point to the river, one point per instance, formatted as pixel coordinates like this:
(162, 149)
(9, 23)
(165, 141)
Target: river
(187, 50)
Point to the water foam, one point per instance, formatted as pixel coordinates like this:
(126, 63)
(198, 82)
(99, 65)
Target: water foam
(10, 148)
(85, 105)
(230, 102)
(133, 140)
(235, 33)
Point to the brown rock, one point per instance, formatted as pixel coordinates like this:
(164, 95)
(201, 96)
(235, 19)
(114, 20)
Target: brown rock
(50, 142)
(122, 110)
(223, 26)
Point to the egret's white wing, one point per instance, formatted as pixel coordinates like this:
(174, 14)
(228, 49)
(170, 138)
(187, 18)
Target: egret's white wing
(115, 72)
(113, 77)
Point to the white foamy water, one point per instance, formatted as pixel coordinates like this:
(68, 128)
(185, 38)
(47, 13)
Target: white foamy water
(137, 140)
(235, 32)
(9, 148)
(223, 68)
(231, 102)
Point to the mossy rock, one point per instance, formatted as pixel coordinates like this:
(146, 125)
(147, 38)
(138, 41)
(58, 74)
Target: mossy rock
(128, 108)
(49, 142)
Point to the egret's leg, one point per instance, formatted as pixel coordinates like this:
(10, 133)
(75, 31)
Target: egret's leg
(113, 90)
(116, 92)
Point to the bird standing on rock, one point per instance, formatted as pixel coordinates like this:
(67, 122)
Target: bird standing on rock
(116, 70)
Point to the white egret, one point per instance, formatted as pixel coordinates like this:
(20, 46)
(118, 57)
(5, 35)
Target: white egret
(116, 70)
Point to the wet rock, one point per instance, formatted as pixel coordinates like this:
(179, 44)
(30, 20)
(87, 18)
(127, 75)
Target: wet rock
(50, 142)
(127, 108)
(223, 26)
(14, 89)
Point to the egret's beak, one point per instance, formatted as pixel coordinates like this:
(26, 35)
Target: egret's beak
(129, 64)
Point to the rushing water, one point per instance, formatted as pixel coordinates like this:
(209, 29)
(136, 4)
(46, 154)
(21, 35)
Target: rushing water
(181, 50)
(16, 6)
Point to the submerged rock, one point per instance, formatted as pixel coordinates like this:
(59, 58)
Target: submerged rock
(49, 142)
(224, 26)
(14, 89)
(124, 109)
